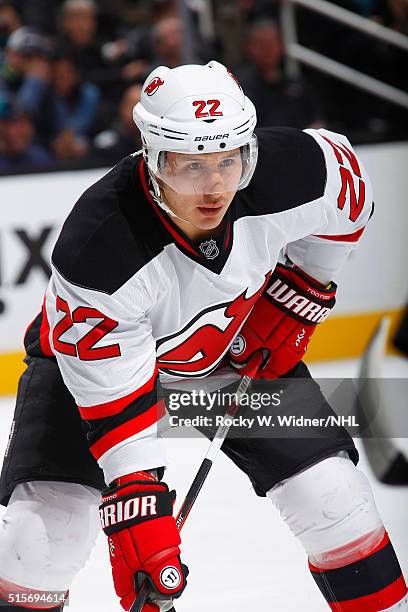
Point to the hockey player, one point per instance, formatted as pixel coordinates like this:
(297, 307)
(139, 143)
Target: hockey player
(214, 234)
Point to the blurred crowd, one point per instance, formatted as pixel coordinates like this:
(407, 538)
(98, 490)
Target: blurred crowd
(72, 70)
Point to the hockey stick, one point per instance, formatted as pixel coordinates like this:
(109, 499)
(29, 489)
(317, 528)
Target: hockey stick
(204, 469)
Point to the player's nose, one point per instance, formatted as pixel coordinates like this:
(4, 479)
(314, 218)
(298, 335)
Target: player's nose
(213, 181)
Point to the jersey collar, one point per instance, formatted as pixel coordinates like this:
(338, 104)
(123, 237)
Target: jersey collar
(211, 253)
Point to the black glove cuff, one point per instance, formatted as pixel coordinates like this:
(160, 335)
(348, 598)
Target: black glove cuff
(119, 512)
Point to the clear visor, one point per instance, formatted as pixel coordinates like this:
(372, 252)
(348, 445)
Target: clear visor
(206, 173)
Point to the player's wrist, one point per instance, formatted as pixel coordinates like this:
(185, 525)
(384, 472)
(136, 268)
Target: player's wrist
(148, 475)
(127, 505)
(298, 279)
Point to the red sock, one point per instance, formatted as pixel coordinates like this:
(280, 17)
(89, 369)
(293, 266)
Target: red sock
(373, 583)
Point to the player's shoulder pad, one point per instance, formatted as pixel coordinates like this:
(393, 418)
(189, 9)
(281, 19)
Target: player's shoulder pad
(110, 233)
(290, 171)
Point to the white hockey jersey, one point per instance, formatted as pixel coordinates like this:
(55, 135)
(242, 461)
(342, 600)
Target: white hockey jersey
(132, 299)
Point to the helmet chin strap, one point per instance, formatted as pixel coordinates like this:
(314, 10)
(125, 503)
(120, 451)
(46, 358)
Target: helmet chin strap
(158, 198)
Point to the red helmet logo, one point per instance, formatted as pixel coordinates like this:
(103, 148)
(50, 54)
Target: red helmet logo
(153, 86)
(234, 77)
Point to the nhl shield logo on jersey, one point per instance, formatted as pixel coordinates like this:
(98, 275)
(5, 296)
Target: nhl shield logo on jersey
(153, 86)
(209, 249)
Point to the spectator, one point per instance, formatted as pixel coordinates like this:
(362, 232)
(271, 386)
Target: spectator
(18, 152)
(278, 100)
(133, 52)
(75, 106)
(9, 21)
(78, 25)
(137, 42)
(26, 72)
(124, 137)
(167, 41)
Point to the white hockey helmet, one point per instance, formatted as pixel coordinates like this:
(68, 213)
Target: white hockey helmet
(194, 110)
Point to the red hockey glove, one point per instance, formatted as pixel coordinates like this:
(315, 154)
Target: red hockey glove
(282, 322)
(136, 515)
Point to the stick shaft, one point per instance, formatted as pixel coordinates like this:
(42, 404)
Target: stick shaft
(200, 478)
(211, 455)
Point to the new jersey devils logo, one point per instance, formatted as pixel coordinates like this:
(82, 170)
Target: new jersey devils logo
(198, 348)
(153, 86)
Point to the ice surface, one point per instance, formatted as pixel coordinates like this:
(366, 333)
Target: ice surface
(241, 556)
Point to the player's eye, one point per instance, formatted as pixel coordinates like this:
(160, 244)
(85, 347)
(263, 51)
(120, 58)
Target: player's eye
(194, 166)
(228, 162)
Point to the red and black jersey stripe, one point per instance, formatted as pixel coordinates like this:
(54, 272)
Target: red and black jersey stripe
(107, 425)
(373, 583)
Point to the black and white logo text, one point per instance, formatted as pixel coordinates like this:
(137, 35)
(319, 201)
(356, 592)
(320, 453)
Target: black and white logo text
(213, 137)
(120, 511)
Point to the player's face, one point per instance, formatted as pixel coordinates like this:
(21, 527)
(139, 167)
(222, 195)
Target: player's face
(200, 188)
